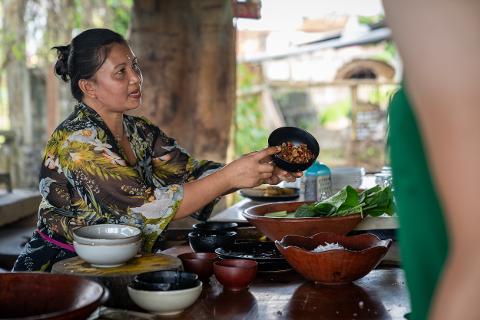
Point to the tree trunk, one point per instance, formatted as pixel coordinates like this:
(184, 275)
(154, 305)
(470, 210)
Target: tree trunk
(18, 87)
(60, 23)
(186, 49)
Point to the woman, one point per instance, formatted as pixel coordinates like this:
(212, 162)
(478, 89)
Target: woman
(102, 166)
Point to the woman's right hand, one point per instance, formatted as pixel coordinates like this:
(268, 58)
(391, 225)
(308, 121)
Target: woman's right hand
(250, 170)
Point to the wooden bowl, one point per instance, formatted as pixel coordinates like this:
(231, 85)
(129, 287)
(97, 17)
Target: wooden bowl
(361, 254)
(200, 263)
(235, 274)
(277, 228)
(26, 295)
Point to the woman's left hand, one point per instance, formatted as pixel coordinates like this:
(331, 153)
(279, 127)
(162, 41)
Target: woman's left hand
(280, 175)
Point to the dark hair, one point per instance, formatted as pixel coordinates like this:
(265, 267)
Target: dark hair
(84, 56)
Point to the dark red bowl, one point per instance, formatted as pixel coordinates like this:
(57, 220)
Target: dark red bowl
(235, 274)
(26, 295)
(200, 263)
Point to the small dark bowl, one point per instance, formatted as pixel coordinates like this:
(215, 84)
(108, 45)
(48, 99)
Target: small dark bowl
(200, 242)
(235, 274)
(165, 280)
(295, 136)
(199, 263)
(215, 227)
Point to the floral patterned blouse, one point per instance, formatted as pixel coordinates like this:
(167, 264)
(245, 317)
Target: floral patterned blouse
(85, 180)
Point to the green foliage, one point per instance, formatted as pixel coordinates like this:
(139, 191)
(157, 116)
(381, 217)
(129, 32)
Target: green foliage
(249, 134)
(115, 14)
(369, 20)
(336, 111)
(381, 95)
(389, 53)
(246, 78)
(122, 11)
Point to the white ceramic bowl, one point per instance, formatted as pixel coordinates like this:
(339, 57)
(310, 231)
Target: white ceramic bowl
(165, 302)
(107, 234)
(106, 256)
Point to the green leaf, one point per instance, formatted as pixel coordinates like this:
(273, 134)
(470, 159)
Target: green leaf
(324, 209)
(352, 199)
(368, 192)
(305, 211)
(380, 202)
(349, 211)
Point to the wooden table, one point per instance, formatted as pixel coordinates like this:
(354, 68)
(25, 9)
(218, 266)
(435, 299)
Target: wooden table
(379, 295)
(116, 279)
(382, 294)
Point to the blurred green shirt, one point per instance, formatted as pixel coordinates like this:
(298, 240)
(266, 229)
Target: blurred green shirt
(423, 235)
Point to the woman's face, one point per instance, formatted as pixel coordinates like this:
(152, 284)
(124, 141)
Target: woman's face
(118, 82)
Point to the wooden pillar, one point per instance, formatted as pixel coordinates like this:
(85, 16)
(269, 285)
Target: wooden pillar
(18, 88)
(186, 50)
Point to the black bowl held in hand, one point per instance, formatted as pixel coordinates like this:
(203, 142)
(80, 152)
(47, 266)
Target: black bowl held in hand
(296, 136)
(202, 242)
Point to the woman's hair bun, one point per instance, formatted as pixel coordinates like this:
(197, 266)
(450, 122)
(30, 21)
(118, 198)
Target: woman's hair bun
(61, 66)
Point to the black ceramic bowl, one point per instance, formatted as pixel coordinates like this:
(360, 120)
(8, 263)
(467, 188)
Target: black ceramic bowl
(202, 242)
(215, 227)
(266, 254)
(295, 136)
(165, 280)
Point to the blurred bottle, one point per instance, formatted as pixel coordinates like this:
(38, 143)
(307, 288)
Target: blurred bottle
(384, 178)
(318, 182)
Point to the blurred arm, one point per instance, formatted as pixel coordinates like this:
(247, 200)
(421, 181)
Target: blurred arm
(440, 48)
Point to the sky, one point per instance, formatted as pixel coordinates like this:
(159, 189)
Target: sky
(287, 14)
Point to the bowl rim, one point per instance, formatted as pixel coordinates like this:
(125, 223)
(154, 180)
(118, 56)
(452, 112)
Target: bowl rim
(229, 226)
(247, 214)
(220, 262)
(200, 234)
(161, 292)
(168, 271)
(136, 230)
(108, 245)
(186, 256)
(383, 244)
